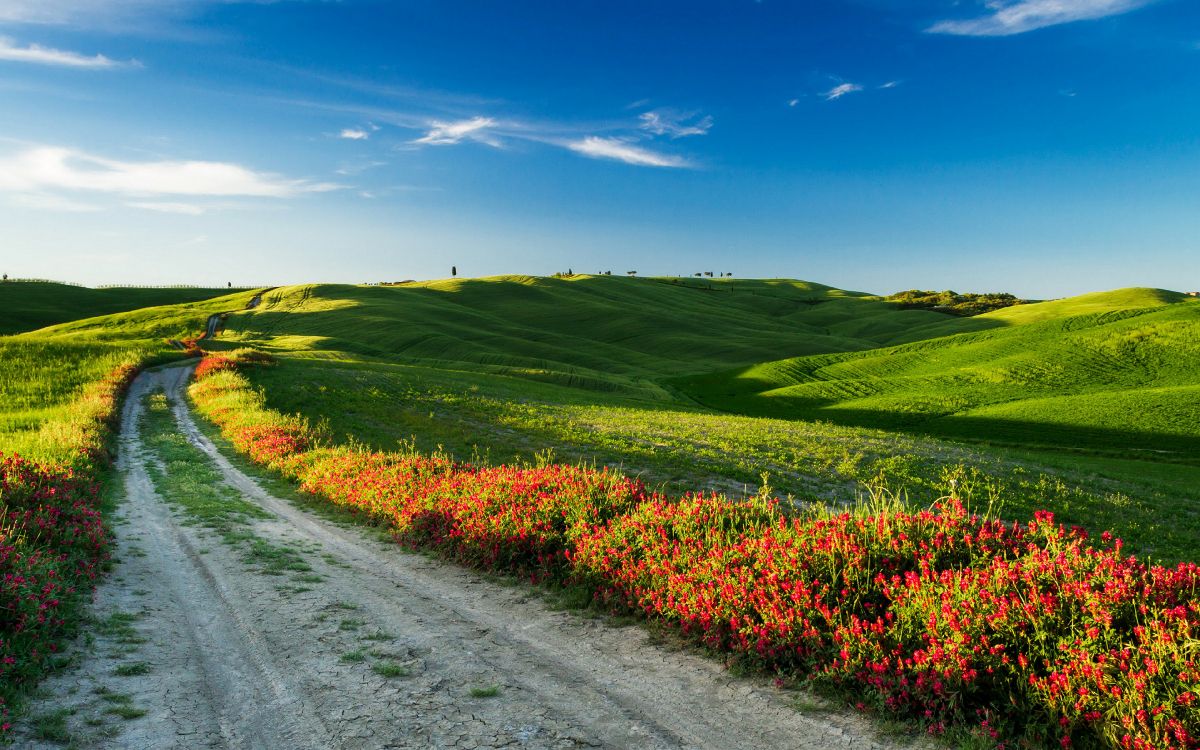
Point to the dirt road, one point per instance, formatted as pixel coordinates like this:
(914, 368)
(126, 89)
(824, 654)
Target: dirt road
(373, 648)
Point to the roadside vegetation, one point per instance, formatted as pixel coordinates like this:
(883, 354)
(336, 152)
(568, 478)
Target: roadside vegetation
(53, 539)
(60, 395)
(990, 631)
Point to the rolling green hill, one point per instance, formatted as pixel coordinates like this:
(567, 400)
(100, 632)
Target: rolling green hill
(30, 305)
(1117, 371)
(601, 333)
(642, 373)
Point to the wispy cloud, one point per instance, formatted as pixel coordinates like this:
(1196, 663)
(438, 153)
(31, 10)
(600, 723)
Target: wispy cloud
(64, 11)
(448, 133)
(624, 151)
(354, 134)
(1009, 17)
(889, 85)
(840, 90)
(667, 122)
(187, 209)
(39, 55)
(42, 169)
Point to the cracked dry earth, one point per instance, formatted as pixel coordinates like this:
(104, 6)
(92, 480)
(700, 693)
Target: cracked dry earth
(373, 647)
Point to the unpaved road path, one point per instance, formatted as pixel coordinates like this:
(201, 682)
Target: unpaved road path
(384, 649)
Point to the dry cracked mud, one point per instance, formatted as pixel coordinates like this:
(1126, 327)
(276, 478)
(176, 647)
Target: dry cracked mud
(374, 647)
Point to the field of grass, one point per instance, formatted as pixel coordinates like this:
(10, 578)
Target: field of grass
(1117, 372)
(626, 372)
(501, 419)
(30, 305)
(595, 333)
(43, 374)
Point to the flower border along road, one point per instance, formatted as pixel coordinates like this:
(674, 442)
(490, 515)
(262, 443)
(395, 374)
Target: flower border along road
(1017, 634)
(53, 541)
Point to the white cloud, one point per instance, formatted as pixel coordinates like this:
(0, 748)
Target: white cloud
(39, 55)
(354, 134)
(793, 102)
(187, 209)
(837, 92)
(448, 133)
(49, 168)
(665, 122)
(1018, 16)
(890, 85)
(619, 150)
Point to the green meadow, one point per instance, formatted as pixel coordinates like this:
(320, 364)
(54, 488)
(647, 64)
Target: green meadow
(1089, 406)
(44, 372)
(30, 305)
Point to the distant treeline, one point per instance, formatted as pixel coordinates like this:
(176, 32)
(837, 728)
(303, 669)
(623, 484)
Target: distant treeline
(963, 305)
(176, 286)
(7, 280)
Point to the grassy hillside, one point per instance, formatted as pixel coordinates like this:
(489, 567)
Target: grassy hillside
(601, 333)
(626, 371)
(492, 418)
(1117, 371)
(30, 305)
(43, 373)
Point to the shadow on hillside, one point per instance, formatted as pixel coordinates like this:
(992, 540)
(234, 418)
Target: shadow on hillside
(1121, 443)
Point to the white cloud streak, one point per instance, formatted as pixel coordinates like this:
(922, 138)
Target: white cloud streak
(448, 133)
(50, 168)
(354, 134)
(837, 92)
(665, 122)
(38, 55)
(186, 209)
(1010, 17)
(624, 151)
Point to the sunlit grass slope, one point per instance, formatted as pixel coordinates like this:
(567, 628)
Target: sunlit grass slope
(1117, 370)
(43, 373)
(30, 305)
(600, 333)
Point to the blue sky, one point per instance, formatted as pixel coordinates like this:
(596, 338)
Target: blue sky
(1043, 147)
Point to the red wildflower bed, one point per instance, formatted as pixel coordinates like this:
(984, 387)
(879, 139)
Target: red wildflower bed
(1025, 635)
(52, 539)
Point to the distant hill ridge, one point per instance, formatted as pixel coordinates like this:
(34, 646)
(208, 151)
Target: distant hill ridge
(1115, 371)
(27, 305)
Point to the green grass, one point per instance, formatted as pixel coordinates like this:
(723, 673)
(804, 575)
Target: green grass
(43, 374)
(709, 384)
(389, 670)
(1090, 373)
(489, 691)
(52, 727)
(28, 306)
(132, 669)
(501, 419)
(594, 333)
(189, 481)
